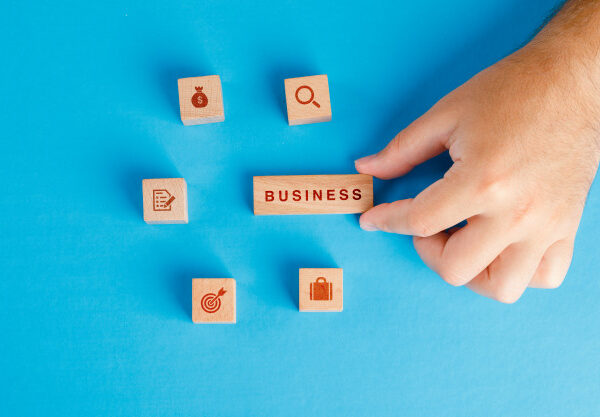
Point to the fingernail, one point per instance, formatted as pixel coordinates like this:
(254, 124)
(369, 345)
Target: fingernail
(368, 227)
(364, 160)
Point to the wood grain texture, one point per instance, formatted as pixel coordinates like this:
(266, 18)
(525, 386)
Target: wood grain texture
(165, 200)
(313, 194)
(213, 300)
(301, 108)
(211, 91)
(330, 295)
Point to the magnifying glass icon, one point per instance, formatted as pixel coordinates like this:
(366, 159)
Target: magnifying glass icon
(312, 96)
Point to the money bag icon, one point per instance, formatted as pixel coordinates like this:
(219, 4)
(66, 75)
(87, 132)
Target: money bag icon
(199, 99)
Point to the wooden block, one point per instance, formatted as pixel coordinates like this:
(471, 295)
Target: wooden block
(321, 289)
(213, 300)
(313, 194)
(201, 100)
(307, 100)
(165, 200)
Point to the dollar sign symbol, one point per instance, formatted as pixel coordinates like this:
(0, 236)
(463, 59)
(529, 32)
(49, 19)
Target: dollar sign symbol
(199, 99)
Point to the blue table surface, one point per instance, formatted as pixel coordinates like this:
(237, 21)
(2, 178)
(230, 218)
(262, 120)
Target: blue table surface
(96, 304)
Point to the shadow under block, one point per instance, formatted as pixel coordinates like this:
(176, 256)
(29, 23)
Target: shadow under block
(165, 200)
(321, 289)
(201, 100)
(313, 194)
(307, 100)
(213, 300)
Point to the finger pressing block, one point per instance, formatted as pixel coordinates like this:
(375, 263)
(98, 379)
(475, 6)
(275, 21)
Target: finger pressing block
(313, 194)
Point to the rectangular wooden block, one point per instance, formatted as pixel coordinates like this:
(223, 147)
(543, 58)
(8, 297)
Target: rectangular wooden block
(201, 100)
(321, 289)
(165, 200)
(213, 300)
(313, 194)
(307, 100)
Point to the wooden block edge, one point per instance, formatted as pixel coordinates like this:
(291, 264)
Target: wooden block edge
(203, 120)
(309, 121)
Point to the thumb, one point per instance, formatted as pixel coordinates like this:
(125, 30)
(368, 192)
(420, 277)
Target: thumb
(423, 139)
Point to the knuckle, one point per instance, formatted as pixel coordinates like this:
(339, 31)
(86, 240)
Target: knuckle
(418, 225)
(378, 217)
(396, 145)
(499, 191)
(452, 276)
(507, 294)
(553, 282)
(507, 298)
(385, 227)
(495, 188)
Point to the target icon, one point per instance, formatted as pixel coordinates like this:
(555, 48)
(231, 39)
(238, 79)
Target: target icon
(211, 303)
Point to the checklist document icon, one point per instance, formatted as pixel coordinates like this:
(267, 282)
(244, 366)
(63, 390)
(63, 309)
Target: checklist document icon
(162, 200)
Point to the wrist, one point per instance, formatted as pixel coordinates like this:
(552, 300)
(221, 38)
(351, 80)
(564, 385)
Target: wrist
(567, 51)
(558, 83)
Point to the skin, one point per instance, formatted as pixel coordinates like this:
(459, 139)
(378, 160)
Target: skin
(524, 135)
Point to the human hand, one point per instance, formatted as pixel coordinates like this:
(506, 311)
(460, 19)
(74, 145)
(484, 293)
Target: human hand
(524, 136)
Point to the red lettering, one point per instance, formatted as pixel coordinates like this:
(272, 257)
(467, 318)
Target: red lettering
(317, 195)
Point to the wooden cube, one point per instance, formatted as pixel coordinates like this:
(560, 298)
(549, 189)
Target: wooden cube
(307, 100)
(321, 289)
(213, 300)
(165, 200)
(312, 194)
(201, 100)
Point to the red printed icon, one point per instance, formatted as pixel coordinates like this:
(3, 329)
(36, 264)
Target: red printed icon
(162, 200)
(199, 99)
(321, 290)
(311, 99)
(211, 303)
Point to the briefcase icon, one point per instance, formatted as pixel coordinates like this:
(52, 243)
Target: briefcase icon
(321, 290)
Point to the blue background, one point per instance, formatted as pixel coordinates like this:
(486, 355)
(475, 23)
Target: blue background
(96, 305)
